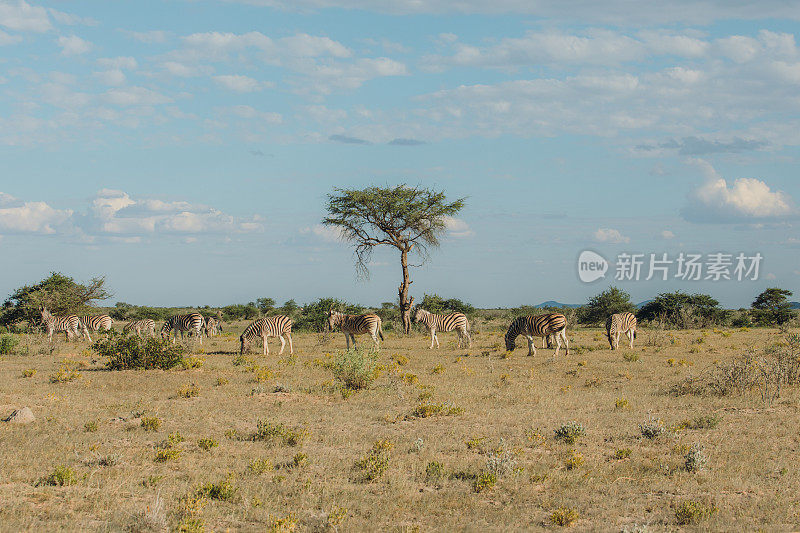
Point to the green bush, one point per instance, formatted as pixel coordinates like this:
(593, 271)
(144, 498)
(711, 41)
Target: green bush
(434, 303)
(125, 352)
(8, 343)
(356, 368)
(569, 432)
(314, 316)
(59, 477)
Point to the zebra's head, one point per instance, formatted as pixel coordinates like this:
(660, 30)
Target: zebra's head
(511, 342)
(332, 318)
(419, 314)
(46, 316)
(165, 330)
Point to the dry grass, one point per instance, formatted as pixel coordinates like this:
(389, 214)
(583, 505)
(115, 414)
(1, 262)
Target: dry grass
(473, 439)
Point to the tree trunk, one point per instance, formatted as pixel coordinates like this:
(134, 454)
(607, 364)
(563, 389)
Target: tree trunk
(405, 301)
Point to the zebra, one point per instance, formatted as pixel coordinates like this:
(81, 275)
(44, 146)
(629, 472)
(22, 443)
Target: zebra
(69, 324)
(538, 326)
(97, 322)
(620, 323)
(353, 325)
(453, 321)
(140, 326)
(274, 326)
(218, 318)
(193, 322)
(211, 326)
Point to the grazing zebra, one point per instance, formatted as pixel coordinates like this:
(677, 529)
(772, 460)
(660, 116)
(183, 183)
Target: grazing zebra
(274, 326)
(219, 321)
(538, 326)
(453, 321)
(193, 322)
(97, 322)
(211, 326)
(140, 326)
(618, 324)
(69, 324)
(353, 325)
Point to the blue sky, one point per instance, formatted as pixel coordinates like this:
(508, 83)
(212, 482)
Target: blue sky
(184, 149)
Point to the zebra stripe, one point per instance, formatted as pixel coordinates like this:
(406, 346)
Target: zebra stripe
(620, 323)
(193, 322)
(453, 321)
(138, 326)
(211, 326)
(69, 324)
(274, 326)
(352, 325)
(538, 326)
(97, 322)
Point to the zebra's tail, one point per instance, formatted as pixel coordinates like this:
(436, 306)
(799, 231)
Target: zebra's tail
(380, 331)
(634, 333)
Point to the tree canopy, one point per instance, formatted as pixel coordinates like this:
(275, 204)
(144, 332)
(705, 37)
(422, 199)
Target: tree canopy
(605, 304)
(771, 307)
(683, 310)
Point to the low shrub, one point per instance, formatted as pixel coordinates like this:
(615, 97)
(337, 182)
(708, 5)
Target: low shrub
(60, 477)
(429, 409)
(652, 427)
(190, 390)
(7, 343)
(564, 516)
(28, 372)
(375, 463)
(90, 427)
(355, 368)
(279, 434)
(690, 512)
(207, 443)
(570, 432)
(260, 466)
(151, 423)
(484, 482)
(434, 472)
(695, 460)
(224, 490)
(126, 352)
(166, 454)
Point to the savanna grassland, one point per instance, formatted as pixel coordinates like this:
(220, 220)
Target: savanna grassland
(449, 439)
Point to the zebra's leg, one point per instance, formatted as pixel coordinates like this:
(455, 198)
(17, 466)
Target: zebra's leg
(374, 335)
(433, 336)
(352, 336)
(469, 338)
(558, 344)
(436, 338)
(265, 348)
(283, 343)
(266, 344)
(630, 337)
(566, 342)
(291, 348)
(530, 345)
(347, 339)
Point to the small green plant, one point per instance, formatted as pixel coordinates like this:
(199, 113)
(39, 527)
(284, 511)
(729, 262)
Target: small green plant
(630, 357)
(336, 517)
(151, 423)
(166, 454)
(220, 382)
(28, 372)
(434, 472)
(570, 432)
(65, 374)
(375, 463)
(91, 427)
(622, 453)
(652, 427)
(621, 403)
(299, 460)
(60, 476)
(190, 390)
(438, 369)
(355, 368)
(279, 434)
(564, 516)
(573, 460)
(173, 439)
(286, 524)
(192, 361)
(7, 343)
(428, 409)
(224, 490)
(501, 461)
(690, 512)
(704, 422)
(207, 443)
(260, 466)
(130, 351)
(484, 482)
(695, 460)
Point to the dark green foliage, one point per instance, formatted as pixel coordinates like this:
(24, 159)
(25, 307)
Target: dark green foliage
(126, 352)
(605, 304)
(289, 308)
(265, 305)
(314, 316)
(682, 310)
(8, 343)
(240, 312)
(123, 312)
(771, 307)
(438, 305)
(59, 293)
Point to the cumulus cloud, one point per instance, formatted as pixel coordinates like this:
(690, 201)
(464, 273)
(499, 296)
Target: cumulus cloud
(326, 233)
(148, 37)
(611, 236)
(456, 227)
(6, 39)
(240, 84)
(73, 45)
(21, 16)
(346, 139)
(667, 235)
(747, 199)
(17, 216)
(131, 96)
(695, 146)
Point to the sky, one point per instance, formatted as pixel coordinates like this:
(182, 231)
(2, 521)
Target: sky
(185, 149)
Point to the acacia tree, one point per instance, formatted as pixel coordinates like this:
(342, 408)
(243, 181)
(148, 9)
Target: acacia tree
(410, 219)
(771, 306)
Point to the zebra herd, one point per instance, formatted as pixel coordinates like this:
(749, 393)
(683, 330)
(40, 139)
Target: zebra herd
(544, 326)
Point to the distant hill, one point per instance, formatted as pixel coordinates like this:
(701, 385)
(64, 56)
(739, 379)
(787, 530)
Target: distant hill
(795, 305)
(553, 303)
(642, 304)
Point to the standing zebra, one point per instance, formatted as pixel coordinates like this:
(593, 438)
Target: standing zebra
(538, 326)
(69, 324)
(274, 326)
(353, 325)
(618, 324)
(211, 326)
(97, 322)
(139, 326)
(193, 322)
(219, 321)
(453, 321)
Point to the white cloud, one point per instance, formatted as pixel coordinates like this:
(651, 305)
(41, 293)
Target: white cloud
(30, 217)
(148, 37)
(21, 16)
(610, 235)
(111, 77)
(121, 62)
(248, 112)
(240, 84)
(326, 233)
(73, 45)
(70, 19)
(746, 199)
(456, 227)
(667, 235)
(6, 39)
(182, 70)
(130, 96)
